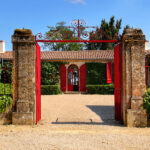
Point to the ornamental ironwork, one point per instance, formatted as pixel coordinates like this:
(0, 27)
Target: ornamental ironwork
(77, 32)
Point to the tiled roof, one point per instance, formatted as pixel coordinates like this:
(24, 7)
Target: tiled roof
(70, 55)
(103, 55)
(6, 55)
(78, 55)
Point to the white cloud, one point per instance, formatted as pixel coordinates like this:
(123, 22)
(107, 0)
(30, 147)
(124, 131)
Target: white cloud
(77, 1)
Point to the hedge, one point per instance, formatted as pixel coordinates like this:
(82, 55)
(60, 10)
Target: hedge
(107, 89)
(50, 89)
(8, 89)
(5, 101)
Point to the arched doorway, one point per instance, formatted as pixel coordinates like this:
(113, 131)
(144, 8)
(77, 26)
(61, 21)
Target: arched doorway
(73, 78)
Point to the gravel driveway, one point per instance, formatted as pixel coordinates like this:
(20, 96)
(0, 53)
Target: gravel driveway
(75, 122)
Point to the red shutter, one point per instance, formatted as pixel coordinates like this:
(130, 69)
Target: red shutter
(63, 77)
(117, 82)
(38, 84)
(82, 83)
(109, 70)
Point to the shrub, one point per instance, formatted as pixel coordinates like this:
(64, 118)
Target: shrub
(5, 101)
(107, 89)
(95, 73)
(50, 89)
(8, 89)
(146, 101)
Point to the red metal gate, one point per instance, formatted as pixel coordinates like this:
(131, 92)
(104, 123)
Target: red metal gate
(117, 82)
(38, 84)
(82, 38)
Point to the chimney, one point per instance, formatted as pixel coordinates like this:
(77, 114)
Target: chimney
(2, 46)
(147, 45)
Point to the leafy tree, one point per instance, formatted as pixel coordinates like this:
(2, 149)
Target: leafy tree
(110, 28)
(50, 73)
(63, 33)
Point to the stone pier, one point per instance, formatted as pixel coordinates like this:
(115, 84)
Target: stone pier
(133, 78)
(24, 58)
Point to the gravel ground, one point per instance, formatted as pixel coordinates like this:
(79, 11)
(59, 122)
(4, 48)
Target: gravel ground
(66, 125)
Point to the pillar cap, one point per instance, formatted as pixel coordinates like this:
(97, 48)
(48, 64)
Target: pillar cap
(133, 31)
(23, 32)
(133, 35)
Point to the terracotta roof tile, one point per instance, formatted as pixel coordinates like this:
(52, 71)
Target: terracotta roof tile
(78, 55)
(73, 55)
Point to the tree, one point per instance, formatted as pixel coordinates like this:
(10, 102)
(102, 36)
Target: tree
(50, 73)
(62, 33)
(111, 29)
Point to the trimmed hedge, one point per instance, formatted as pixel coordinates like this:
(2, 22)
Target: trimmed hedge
(50, 89)
(107, 89)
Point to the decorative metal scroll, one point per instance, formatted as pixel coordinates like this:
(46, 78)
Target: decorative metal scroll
(77, 33)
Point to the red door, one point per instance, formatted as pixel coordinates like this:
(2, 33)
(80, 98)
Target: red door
(63, 77)
(38, 84)
(117, 82)
(83, 78)
(73, 78)
(70, 80)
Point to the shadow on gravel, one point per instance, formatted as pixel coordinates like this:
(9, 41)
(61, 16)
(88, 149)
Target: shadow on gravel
(106, 114)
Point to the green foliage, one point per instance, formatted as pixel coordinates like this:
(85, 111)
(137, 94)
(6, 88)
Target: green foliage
(50, 73)
(111, 29)
(61, 35)
(50, 89)
(8, 89)
(5, 101)
(146, 101)
(107, 89)
(95, 73)
(7, 73)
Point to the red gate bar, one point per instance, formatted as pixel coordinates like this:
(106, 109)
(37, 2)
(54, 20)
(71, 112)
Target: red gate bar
(38, 84)
(117, 82)
(78, 41)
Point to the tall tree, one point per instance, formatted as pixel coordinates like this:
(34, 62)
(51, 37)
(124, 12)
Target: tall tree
(60, 32)
(111, 29)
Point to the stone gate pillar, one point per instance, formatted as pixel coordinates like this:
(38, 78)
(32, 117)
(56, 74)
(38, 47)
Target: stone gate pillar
(24, 85)
(133, 78)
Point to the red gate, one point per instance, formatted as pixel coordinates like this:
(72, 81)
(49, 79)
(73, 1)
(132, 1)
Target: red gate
(38, 84)
(117, 82)
(81, 38)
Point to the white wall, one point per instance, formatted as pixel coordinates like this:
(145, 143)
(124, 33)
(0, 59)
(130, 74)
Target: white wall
(2, 46)
(147, 45)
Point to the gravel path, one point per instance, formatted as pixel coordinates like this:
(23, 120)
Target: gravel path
(73, 130)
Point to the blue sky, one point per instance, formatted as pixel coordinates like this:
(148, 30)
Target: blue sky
(38, 14)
